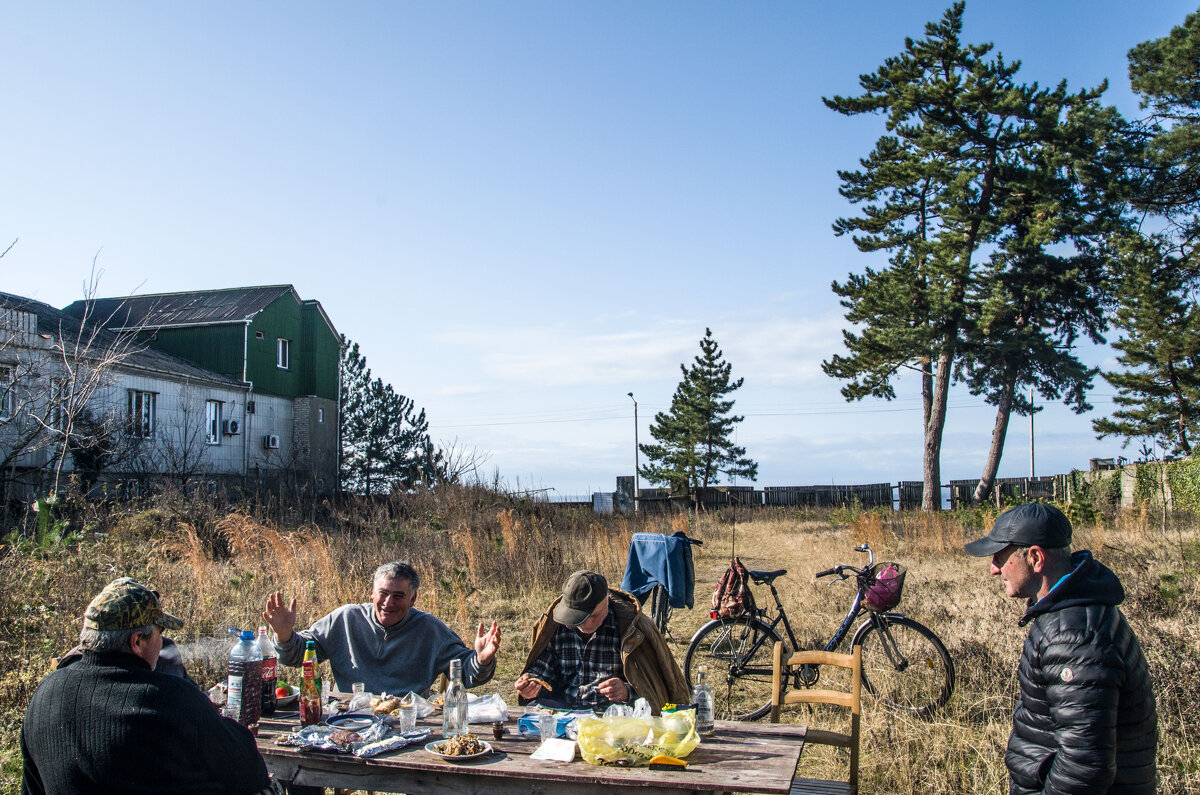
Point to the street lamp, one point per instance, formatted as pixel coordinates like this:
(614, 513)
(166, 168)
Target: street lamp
(636, 486)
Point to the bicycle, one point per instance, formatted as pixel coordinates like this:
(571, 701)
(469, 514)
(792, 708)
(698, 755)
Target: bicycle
(905, 665)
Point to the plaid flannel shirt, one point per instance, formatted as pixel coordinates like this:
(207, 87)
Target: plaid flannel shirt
(575, 664)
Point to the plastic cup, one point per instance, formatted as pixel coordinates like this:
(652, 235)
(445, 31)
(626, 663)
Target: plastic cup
(407, 714)
(547, 726)
(358, 687)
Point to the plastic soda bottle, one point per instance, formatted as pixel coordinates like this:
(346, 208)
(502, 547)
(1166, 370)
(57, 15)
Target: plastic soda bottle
(702, 697)
(270, 671)
(454, 705)
(310, 690)
(244, 702)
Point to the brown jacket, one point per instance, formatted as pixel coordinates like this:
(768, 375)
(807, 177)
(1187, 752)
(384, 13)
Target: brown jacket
(648, 664)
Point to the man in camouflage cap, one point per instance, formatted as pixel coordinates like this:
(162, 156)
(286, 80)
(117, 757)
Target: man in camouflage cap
(109, 723)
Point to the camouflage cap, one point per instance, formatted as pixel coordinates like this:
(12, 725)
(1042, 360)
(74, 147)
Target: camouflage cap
(127, 604)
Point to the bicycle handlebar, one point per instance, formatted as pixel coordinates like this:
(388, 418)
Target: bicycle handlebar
(827, 572)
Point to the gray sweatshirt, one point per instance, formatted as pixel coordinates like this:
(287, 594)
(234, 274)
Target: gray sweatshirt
(405, 657)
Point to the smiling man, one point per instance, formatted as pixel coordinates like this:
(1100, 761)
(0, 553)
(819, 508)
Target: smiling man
(1086, 721)
(386, 643)
(593, 648)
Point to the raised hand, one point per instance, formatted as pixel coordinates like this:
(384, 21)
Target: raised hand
(281, 618)
(487, 643)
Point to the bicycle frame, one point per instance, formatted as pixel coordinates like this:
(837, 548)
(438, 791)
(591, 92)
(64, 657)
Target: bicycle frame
(852, 615)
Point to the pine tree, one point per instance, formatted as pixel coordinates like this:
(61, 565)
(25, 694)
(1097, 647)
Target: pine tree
(384, 437)
(1158, 392)
(950, 179)
(1164, 73)
(694, 439)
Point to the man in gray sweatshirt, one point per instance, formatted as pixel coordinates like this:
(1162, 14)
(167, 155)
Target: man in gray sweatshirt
(387, 644)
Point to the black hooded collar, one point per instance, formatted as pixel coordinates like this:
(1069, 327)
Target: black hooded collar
(1089, 583)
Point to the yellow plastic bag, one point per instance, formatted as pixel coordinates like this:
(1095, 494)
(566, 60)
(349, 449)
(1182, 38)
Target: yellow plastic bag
(632, 742)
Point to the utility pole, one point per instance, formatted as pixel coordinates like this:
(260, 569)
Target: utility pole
(1031, 467)
(636, 484)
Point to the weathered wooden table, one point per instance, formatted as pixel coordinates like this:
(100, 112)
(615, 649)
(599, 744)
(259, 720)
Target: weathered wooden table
(743, 757)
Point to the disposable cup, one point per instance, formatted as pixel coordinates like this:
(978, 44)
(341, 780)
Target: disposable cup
(547, 726)
(407, 713)
(357, 687)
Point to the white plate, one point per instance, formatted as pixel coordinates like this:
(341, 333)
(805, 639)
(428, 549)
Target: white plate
(286, 701)
(432, 748)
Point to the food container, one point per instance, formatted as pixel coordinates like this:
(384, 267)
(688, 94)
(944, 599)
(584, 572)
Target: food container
(528, 724)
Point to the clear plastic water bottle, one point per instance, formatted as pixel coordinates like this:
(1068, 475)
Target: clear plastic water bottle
(702, 697)
(244, 703)
(454, 705)
(270, 671)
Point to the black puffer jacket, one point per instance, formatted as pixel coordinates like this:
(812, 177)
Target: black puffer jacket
(1086, 721)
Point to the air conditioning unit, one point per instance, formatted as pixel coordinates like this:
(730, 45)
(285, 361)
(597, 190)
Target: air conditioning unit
(271, 442)
(231, 427)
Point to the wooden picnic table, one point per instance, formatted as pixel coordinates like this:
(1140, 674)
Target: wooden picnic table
(742, 757)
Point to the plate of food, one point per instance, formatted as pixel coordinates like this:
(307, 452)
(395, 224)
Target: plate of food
(459, 748)
(286, 695)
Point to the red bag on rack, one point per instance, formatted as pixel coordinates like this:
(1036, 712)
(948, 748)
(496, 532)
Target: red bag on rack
(733, 596)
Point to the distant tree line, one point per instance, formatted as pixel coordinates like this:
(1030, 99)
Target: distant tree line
(1019, 221)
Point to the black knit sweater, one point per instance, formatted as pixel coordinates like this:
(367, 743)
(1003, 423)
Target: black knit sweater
(109, 724)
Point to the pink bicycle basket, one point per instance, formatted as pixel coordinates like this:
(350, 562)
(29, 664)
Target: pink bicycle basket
(884, 591)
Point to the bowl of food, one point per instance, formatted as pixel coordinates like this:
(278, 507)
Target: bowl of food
(459, 748)
(286, 695)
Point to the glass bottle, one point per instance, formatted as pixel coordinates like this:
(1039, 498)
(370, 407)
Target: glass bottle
(310, 691)
(702, 697)
(454, 705)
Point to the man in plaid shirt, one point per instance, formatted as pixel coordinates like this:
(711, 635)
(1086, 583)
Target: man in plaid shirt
(593, 648)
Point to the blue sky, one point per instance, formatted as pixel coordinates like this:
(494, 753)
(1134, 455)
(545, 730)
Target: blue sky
(520, 210)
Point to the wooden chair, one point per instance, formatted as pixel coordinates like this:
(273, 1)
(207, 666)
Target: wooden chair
(851, 700)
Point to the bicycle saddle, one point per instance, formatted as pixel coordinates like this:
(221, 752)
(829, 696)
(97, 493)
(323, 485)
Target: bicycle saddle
(762, 577)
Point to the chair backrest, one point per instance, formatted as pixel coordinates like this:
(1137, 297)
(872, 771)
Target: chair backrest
(781, 696)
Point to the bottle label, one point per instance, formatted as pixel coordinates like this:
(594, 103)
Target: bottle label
(269, 668)
(235, 694)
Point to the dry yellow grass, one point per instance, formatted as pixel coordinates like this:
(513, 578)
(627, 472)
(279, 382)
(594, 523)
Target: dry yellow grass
(484, 558)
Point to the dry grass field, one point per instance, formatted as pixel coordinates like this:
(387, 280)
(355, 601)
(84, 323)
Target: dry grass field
(484, 556)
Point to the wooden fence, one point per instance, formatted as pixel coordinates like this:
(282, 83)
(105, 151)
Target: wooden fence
(905, 495)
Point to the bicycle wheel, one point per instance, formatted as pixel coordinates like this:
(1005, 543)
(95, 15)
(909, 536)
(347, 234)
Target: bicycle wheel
(907, 667)
(660, 608)
(738, 653)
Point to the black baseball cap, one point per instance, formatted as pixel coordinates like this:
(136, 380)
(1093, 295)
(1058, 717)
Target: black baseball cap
(581, 594)
(1026, 525)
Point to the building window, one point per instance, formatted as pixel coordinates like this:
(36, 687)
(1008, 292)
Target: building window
(283, 353)
(320, 415)
(212, 421)
(8, 393)
(258, 335)
(142, 419)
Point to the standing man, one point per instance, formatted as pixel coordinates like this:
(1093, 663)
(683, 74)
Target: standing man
(1086, 721)
(387, 644)
(110, 723)
(593, 647)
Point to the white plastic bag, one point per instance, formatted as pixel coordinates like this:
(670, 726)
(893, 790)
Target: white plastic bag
(486, 709)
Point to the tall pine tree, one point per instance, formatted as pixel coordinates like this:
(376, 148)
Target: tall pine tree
(1158, 391)
(957, 168)
(384, 437)
(694, 439)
